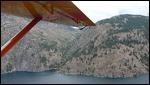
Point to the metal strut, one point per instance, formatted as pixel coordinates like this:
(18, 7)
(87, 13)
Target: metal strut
(5, 48)
(82, 27)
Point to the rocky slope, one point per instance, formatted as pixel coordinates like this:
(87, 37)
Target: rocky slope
(41, 49)
(116, 47)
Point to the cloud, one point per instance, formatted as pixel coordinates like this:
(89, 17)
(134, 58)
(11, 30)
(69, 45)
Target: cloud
(97, 10)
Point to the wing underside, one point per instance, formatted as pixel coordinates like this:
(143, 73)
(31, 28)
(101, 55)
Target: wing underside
(62, 12)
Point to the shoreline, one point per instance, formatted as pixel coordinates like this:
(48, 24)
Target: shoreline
(75, 74)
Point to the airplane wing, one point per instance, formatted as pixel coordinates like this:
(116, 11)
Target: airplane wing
(62, 12)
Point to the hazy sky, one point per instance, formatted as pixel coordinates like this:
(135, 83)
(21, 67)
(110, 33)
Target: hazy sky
(98, 10)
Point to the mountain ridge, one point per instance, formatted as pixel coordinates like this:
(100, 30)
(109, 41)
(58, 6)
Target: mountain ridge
(127, 44)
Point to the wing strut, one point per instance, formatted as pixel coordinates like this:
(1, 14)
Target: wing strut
(5, 48)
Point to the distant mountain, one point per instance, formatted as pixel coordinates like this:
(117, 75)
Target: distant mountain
(116, 47)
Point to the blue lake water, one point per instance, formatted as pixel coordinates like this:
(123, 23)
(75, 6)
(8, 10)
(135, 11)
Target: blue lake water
(53, 77)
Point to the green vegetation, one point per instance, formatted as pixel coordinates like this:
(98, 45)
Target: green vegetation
(68, 68)
(65, 49)
(95, 55)
(130, 67)
(96, 37)
(130, 53)
(84, 52)
(95, 49)
(15, 59)
(9, 67)
(76, 53)
(128, 42)
(113, 40)
(145, 59)
(134, 53)
(32, 54)
(90, 47)
(42, 59)
(63, 61)
(49, 45)
(110, 42)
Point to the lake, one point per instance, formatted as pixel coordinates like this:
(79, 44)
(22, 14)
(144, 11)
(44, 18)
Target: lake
(53, 77)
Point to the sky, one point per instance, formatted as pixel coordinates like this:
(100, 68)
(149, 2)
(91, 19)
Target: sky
(98, 10)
